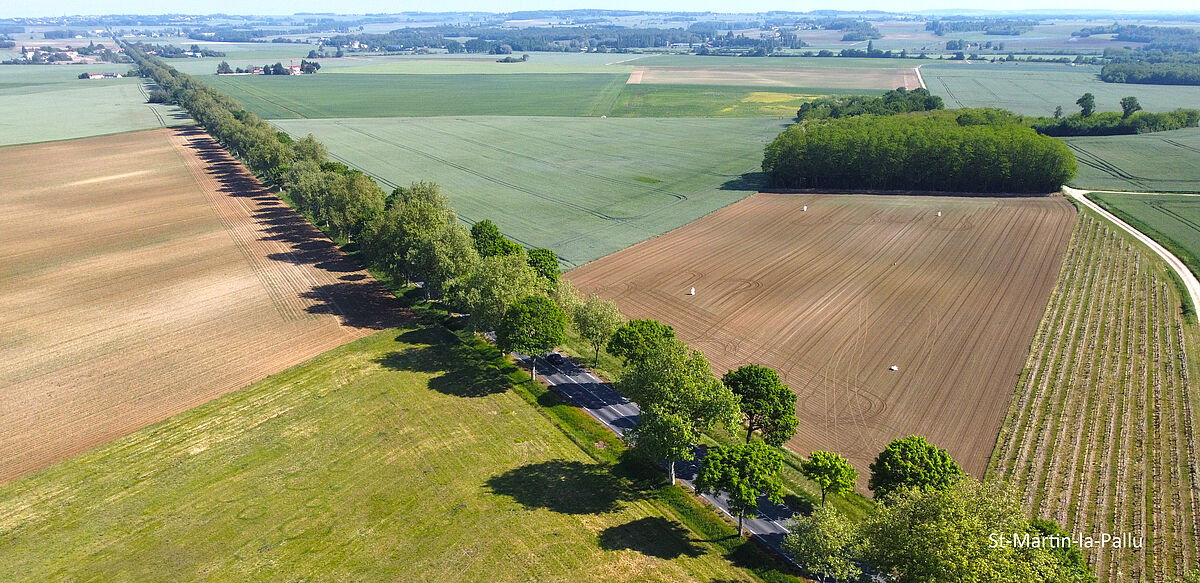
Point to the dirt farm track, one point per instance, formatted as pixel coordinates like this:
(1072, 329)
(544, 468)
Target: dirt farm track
(142, 274)
(832, 297)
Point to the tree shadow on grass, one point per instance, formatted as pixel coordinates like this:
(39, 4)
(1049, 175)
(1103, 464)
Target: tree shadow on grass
(752, 181)
(569, 487)
(466, 371)
(653, 536)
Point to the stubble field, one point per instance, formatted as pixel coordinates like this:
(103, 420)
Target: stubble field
(835, 295)
(144, 274)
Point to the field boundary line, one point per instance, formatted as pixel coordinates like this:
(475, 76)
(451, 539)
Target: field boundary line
(1190, 283)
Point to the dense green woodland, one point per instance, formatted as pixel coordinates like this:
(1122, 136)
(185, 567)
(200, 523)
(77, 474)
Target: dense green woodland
(899, 100)
(934, 152)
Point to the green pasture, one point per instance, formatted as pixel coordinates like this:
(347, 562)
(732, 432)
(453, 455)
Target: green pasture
(341, 96)
(44, 103)
(1172, 220)
(1158, 162)
(1036, 88)
(646, 100)
(402, 456)
(584, 187)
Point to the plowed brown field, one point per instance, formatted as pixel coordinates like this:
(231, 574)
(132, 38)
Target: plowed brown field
(142, 274)
(835, 295)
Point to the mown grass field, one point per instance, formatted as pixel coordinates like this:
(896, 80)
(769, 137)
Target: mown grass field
(400, 455)
(648, 100)
(1158, 162)
(43, 103)
(1172, 220)
(1037, 88)
(354, 95)
(584, 187)
(1101, 433)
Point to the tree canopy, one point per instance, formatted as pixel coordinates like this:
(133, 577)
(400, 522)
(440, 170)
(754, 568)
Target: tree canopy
(744, 472)
(532, 326)
(544, 263)
(948, 536)
(824, 544)
(767, 404)
(633, 340)
(832, 472)
(489, 287)
(596, 319)
(912, 463)
(932, 151)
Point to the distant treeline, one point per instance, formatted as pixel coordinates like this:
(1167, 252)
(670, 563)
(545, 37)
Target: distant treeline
(503, 40)
(899, 100)
(855, 30)
(1167, 38)
(1002, 26)
(1113, 123)
(933, 152)
(1162, 73)
(178, 52)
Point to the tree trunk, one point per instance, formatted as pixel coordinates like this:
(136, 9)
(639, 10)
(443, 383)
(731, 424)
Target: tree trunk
(532, 368)
(749, 433)
(741, 531)
(597, 357)
(671, 470)
(822, 496)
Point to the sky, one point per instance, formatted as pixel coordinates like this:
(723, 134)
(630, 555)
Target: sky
(24, 8)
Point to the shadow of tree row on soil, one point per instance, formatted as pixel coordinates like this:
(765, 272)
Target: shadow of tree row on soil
(358, 300)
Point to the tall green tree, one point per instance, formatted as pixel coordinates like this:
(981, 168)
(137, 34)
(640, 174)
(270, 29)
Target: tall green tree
(663, 435)
(532, 326)
(487, 236)
(1128, 106)
(224, 68)
(636, 338)
(912, 463)
(490, 287)
(1087, 104)
(832, 472)
(442, 256)
(824, 544)
(950, 536)
(676, 380)
(545, 263)
(681, 381)
(596, 319)
(744, 472)
(767, 404)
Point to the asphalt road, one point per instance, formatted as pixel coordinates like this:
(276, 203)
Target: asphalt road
(602, 401)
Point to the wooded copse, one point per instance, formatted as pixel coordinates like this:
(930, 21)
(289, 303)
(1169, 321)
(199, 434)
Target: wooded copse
(899, 100)
(931, 152)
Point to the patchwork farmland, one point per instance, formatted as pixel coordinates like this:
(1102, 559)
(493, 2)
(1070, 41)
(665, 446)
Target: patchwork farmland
(1101, 434)
(151, 275)
(630, 179)
(834, 295)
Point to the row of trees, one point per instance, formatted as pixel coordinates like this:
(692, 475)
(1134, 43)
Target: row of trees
(411, 234)
(936, 152)
(899, 100)
(1166, 73)
(1131, 120)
